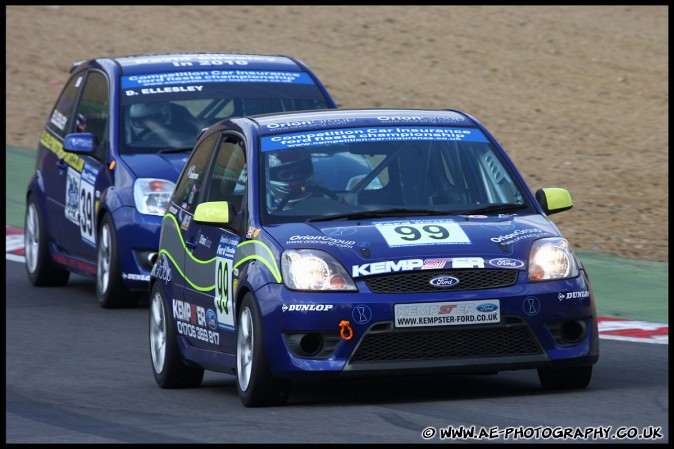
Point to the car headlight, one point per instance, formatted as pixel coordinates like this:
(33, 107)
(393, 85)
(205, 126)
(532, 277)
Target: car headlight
(551, 258)
(308, 269)
(152, 196)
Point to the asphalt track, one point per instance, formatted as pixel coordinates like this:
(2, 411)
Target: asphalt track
(635, 290)
(76, 373)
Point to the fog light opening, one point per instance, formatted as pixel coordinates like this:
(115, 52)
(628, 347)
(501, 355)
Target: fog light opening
(311, 344)
(573, 331)
(152, 258)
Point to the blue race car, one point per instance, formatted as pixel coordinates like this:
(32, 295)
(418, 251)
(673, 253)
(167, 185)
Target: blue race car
(363, 242)
(114, 145)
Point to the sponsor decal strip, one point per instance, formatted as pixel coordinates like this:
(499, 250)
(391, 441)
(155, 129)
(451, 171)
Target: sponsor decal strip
(55, 146)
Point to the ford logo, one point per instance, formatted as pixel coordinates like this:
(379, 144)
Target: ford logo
(211, 319)
(444, 281)
(487, 307)
(506, 263)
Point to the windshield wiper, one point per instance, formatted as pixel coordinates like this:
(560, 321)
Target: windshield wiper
(495, 208)
(398, 212)
(174, 150)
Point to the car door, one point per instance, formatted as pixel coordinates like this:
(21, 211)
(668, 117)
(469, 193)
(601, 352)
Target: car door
(84, 186)
(214, 247)
(56, 168)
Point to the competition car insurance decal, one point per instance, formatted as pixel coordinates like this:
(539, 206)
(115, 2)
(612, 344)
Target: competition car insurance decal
(373, 134)
(196, 78)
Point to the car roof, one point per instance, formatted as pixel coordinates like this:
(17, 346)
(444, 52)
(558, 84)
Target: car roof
(340, 118)
(180, 62)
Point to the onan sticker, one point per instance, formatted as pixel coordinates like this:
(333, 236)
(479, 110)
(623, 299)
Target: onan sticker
(321, 239)
(520, 234)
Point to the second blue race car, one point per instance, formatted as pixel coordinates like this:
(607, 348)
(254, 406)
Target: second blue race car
(114, 145)
(361, 242)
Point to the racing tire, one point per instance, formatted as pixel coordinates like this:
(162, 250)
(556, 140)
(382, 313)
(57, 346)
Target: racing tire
(255, 384)
(567, 378)
(41, 270)
(168, 367)
(110, 289)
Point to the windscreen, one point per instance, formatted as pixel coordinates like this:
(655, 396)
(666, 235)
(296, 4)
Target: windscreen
(319, 174)
(164, 111)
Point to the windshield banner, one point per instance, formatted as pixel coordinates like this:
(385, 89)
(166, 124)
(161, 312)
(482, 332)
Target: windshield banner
(383, 134)
(214, 76)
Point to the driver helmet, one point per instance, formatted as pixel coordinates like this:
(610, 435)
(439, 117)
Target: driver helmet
(158, 112)
(290, 171)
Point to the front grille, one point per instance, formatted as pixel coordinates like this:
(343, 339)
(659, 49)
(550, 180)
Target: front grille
(514, 339)
(419, 281)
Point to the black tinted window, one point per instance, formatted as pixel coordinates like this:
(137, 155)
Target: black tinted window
(192, 178)
(92, 112)
(60, 120)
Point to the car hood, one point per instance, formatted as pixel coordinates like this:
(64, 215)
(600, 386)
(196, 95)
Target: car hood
(367, 247)
(156, 165)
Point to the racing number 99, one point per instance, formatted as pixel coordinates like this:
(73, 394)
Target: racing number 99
(410, 233)
(222, 286)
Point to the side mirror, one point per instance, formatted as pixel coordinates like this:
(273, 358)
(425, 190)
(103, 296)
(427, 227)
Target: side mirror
(215, 212)
(554, 200)
(81, 143)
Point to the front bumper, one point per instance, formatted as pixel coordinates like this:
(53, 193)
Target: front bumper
(138, 243)
(541, 324)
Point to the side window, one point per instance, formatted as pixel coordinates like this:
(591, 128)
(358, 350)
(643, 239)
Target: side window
(191, 180)
(229, 176)
(228, 179)
(60, 119)
(92, 112)
(499, 185)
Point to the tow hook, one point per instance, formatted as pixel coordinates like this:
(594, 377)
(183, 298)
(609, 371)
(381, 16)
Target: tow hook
(345, 329)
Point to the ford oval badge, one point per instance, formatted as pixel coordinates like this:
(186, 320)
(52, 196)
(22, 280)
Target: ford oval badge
(486, 308)
(444, 281)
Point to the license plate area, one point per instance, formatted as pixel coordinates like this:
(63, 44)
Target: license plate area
(448, 313)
